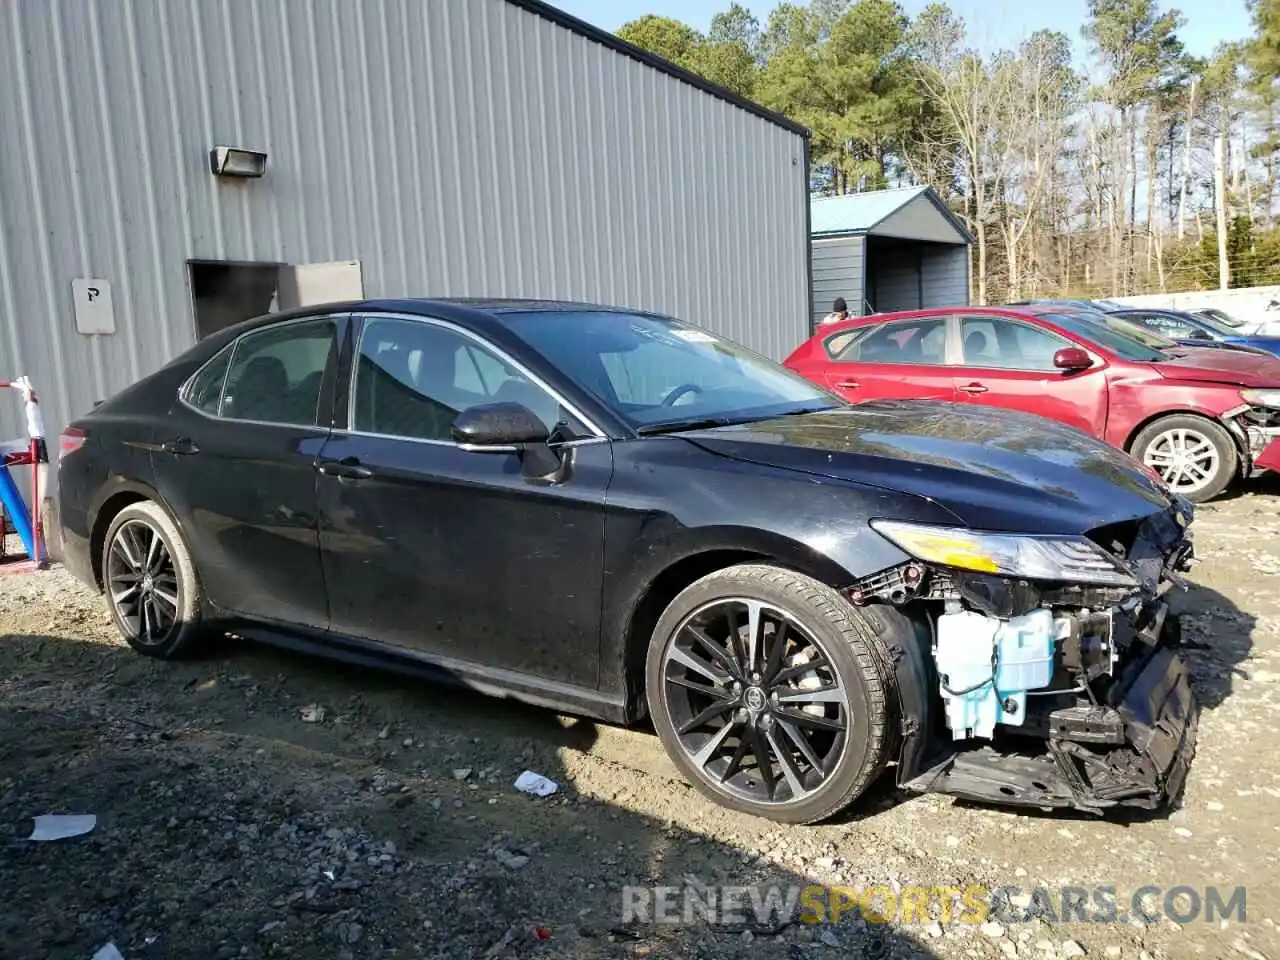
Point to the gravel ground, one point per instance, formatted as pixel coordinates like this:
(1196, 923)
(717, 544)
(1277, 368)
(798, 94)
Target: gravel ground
(256, 804)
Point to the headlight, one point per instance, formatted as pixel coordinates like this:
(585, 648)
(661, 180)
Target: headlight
(1262, 398)
(1071, 559)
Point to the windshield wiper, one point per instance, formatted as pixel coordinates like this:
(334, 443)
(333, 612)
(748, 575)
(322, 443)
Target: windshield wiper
(693, 423)
(804, 410)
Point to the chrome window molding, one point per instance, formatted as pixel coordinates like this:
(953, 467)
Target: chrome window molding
(470, 447)
(502, 355)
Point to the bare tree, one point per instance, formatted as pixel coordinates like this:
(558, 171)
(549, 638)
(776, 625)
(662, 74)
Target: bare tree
(1220, 192)
(1185, 189)
(973, 97)
(1036, 100)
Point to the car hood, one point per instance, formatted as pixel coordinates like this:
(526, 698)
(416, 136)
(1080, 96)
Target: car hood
(1222, 366)
(993, 469)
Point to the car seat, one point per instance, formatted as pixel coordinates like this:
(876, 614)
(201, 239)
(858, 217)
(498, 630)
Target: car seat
(976, 343)
(259, 391)
(881, 351)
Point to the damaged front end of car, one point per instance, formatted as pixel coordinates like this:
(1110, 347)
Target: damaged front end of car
(1044, 670)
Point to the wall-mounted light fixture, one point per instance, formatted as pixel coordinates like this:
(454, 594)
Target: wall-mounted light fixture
(237, 162)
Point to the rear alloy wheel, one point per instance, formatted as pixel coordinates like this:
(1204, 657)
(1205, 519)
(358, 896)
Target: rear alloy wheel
(768, 691)
(150, 582)
(1196, 457)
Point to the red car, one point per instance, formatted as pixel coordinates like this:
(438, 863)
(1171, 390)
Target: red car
(1200, 418)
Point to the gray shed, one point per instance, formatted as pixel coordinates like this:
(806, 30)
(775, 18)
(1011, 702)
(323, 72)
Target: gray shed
(389, 149)
(888, 250)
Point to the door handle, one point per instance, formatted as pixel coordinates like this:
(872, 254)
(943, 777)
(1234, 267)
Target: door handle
(348, 468)
(848, 384)
(182, 446)
(973, 388)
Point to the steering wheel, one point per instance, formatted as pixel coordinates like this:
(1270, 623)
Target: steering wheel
(670, 399)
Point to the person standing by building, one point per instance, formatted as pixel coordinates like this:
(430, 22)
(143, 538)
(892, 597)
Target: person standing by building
(839, 311)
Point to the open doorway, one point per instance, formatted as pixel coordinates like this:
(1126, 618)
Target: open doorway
(225, 292)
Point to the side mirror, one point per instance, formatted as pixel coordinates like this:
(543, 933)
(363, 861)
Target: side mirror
(502, 424)
(1071, 359)
(1197, 334)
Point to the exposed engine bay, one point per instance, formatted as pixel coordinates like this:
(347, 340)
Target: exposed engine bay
(1255, 428)
(1048, 694)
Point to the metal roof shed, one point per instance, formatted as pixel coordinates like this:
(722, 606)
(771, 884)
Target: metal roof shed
(412, 148)
(888, 250)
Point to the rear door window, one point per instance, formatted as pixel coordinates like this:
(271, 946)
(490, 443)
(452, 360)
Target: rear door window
(920, 341)
(273, 375)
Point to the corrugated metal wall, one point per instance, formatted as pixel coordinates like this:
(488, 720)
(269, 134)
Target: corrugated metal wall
(837, 272)
(893, 275)
(916, 276)
(454, 147)
(944, 276)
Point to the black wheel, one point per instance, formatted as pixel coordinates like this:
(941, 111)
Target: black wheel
(769, 692)
(150, 582)
(1196, 457)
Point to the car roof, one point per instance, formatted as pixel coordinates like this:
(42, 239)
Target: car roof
(456, 308)
(1170, 311)
(873, 319)
(497, 306)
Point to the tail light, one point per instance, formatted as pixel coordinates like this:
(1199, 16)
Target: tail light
(70, 440)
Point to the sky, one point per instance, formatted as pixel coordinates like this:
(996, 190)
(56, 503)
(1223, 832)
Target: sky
(992, 24)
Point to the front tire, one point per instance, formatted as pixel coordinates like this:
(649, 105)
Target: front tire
(150, 583)
(1194, 455)
(769, 692)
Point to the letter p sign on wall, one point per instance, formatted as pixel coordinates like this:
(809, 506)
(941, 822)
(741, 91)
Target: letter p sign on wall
(94, 311)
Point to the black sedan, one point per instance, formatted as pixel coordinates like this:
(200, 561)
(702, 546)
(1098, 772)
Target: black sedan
(616, 514)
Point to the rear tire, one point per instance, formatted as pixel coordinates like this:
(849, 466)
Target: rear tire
(1196, 456)
(149, 580)
(815, 705)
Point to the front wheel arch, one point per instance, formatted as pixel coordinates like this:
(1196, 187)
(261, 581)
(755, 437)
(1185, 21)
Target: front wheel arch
(1142, 425)
(714, 553)
(856, 670)
(1223, 440)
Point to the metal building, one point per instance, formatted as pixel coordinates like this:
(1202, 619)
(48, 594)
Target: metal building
(412, 147)
(888, 250)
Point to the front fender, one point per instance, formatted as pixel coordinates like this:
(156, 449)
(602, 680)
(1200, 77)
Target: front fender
(675, 512)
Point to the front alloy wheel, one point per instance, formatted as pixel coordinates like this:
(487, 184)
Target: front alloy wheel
(767, 694)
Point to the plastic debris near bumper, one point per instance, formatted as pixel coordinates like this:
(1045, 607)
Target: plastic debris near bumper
(1135, 754)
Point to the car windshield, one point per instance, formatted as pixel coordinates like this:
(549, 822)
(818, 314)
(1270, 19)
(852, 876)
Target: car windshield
(1216, 325)
(1213, 313)
(663, 374)
(1102, 330)
(1136, 331)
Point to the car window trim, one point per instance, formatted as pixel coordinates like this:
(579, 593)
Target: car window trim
(505, 357)
(994, 318)
(233, 346)
(857, 331)
(873, 328)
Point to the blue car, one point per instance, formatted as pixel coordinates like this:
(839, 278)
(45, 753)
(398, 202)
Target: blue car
(1193, 329)
(1118, 317)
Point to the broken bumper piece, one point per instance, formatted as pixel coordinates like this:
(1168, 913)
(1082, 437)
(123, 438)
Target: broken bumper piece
(1133, 752)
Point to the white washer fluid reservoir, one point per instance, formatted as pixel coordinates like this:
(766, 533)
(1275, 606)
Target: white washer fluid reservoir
(969, 645)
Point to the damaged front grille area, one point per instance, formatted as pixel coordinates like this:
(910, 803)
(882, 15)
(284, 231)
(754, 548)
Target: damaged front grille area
(1051, 694)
